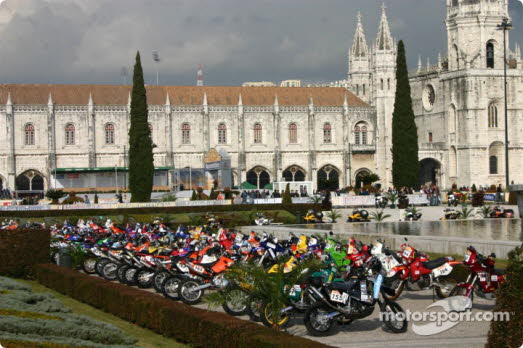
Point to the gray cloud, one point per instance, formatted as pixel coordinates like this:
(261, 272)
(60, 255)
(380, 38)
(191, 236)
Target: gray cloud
(80, 41)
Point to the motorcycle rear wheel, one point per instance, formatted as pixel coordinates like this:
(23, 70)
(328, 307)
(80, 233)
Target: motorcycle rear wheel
(391, 322)
(187, 295)
(315, 322)
(460, 291)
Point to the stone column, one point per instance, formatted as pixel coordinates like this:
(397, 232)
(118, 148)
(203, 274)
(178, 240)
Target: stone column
(91, 133)
(10, 136)
(346, 146)
(51, 137)
(277, 140)
(241, 142)
(311, 122)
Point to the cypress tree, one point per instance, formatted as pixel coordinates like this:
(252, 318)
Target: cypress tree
(141, 167)
(405, 164)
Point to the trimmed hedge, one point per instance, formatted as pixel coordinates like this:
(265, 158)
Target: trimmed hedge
(195, 326)
(21, 344)
(296, 209)
(22, 249)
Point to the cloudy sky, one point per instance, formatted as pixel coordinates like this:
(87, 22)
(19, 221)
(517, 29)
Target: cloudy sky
(90, 41)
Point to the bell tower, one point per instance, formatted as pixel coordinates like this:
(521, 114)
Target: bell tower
(474, 41)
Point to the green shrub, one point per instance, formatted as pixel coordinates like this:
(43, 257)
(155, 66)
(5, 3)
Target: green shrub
(73, 199)
(55, 195)
(166, 317)
(286, 197)
(168, 198)
(509, 298)
(22, 249)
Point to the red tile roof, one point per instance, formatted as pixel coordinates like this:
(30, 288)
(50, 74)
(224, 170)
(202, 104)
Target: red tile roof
(34, 94)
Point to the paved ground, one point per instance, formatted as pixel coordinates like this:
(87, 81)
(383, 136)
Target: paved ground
(369, 332)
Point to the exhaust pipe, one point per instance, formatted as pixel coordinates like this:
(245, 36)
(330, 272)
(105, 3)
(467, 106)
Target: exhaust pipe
(201, 287)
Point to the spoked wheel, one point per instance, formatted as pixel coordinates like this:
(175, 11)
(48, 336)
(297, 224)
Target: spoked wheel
(270, 320)
(447, 284)
(187, 294)
(129, 276)
(100, 265)
(254, 308)
(317, 322)
(394, 317)
(158, 279)
(170, 287)
(89, 265)
(120, 272)
(143, 278)
(235, 302)
(109, 270)
(396, 284)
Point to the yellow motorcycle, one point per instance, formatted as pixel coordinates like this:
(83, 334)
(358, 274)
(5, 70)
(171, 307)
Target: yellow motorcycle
(359, 215)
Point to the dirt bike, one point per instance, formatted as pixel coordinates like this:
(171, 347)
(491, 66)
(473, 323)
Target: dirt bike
(484, 278)
(343, 302)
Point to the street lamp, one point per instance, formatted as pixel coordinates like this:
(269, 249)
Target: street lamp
(505, 25)
(156, 58)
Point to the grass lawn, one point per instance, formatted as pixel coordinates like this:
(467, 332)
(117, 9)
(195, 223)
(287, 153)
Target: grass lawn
(146, 338)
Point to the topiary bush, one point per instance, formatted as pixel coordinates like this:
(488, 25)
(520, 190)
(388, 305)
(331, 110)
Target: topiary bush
(478, 199)
(509, 298)
(286, 197)
(73, 199)
(55, 195)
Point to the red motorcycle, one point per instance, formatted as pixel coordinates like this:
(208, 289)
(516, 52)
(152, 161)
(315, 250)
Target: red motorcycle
(417, 268)
(484, 278)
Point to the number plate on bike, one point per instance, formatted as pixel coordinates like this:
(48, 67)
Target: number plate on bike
(336, 296)
(296, 289)
(406, 253)
(494, 278)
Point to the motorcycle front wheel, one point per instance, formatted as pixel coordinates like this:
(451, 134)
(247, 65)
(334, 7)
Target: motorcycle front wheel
(109, 271)
(129, 275)
(254, 308)
(394, 317)
(395, 284)
(187, 294)
(235, 303)
(143, 278)
(100, 265)
(88, 265)
(268, 319)
(120, 272)
(317, 323)
(158, 279)
(170, 287)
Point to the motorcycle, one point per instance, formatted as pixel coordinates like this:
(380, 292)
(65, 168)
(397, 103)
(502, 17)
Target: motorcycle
(484, 278)
(381, 201)
(500, 213)
(313, 218)
(451, 214)
(416, 268)
(412, 214)
(343, 302)
(359, 215)
(261, 220)
(453, 199)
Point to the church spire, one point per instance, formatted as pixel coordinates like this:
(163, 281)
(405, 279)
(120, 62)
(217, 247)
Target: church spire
(384, 40)
(359, 46)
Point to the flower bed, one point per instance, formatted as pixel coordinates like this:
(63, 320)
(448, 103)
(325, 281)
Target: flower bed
(195, 326)
(30, 319)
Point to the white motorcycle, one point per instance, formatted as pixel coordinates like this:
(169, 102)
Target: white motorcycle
(261, 220)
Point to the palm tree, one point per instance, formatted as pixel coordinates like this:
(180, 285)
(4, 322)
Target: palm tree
(393, 197)
(334, 215)
(379, 216)
(485, 211)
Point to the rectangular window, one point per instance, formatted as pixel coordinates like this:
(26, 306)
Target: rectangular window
(430, 137)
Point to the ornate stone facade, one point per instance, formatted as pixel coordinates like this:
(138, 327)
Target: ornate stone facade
(313, 133)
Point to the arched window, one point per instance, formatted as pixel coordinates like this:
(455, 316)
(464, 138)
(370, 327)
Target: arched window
(493, 165)
(381, 81)
(361, 134)
(452, 119)
(430, 137)
(222, 133)
(69, 134)
(363, 89)
(186, 133)
(257, 133)
(357, 134)
(109, 133)
(388, 84)
(293, 133)
(327, 133)
(490, 55)
(357, 89)
(29, 130)
(493, 116)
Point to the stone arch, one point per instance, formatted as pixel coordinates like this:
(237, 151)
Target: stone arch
(430, 171)
(496, 156)
(358, 176)
(490, 49)
(329, 178)
(294, 173)
(31, 181)
(259, 176)
(362, 131)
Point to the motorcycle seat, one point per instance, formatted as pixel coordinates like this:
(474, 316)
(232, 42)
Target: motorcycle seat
(434, 263)
(341, 286)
